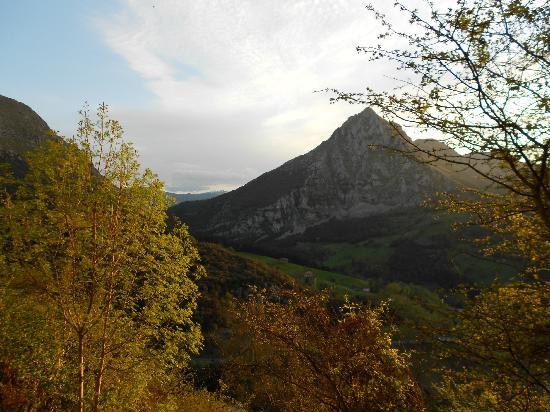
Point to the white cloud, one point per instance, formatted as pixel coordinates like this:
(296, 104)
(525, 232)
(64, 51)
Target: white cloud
(234, 81)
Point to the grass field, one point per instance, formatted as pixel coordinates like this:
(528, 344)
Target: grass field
(341, 255)
(376, 251)
(419, 242)
(340, 284)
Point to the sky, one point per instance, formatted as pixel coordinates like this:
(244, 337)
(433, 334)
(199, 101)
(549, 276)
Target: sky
(212, 93)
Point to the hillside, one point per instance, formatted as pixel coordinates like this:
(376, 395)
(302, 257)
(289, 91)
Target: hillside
(318, 279)
(344, 177)
(346, 207)
(21, 129)
(229, 275)
(353, 207)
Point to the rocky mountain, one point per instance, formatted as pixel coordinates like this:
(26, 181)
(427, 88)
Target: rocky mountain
(352, 205)
(21, 129)
(351, 175)
(348, 205)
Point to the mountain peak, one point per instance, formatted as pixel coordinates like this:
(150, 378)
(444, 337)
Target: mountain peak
(367, 112)
(21, 130)
(368, 127)
(348, 176)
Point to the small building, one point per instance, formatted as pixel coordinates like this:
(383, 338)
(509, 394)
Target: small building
(309, 277)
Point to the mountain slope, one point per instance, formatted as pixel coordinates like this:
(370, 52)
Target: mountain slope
(21, 129)
(345, 177)
(352, 206)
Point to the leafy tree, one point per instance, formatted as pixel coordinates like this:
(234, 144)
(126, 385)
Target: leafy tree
(478, 79)
(305, 355)
(503, 340)
(97, 297)
(412, 307)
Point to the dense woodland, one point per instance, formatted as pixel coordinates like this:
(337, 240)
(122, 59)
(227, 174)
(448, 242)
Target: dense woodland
(109, 303)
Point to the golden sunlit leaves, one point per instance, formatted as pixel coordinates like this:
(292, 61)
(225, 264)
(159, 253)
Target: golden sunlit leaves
(503, 335)
(482, 70)
(89, 259)
(307, 354)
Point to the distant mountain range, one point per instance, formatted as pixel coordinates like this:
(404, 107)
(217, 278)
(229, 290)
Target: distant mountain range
(190, 197)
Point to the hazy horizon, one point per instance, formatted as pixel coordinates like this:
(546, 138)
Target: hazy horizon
(213, 94)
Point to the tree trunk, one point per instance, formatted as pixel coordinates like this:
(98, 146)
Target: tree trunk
(101, 368)
(81, 372)
(99, 378)
(542, 210)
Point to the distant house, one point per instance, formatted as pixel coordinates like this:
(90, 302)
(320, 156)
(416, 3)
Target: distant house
(284, 260)
(309, 277)
(366, 290)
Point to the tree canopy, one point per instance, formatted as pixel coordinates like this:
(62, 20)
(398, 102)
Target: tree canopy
(97, 296)
(502, 339)
(476, 77)
(305, 354)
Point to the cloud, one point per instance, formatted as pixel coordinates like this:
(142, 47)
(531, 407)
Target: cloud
(189, 178)
(234, 81)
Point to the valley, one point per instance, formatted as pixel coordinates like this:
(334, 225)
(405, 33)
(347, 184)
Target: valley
(292, 206)
(353, 205)
(318, 279)
(350, 221)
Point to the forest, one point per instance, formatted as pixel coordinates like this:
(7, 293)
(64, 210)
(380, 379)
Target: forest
(110, 302)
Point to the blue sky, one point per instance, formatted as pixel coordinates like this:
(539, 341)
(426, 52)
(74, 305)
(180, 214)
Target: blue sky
(212, 92)
(55, 59)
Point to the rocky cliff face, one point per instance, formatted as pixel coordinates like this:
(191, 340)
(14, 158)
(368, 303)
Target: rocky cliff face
(347, 176)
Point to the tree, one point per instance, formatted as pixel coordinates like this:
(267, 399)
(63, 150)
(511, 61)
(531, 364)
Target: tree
(305, 355)
(96, 293)
(478, 79)
(503, 339)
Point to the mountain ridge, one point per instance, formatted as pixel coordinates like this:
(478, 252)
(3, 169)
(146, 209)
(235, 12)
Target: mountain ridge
(190, 197)
(344, 177)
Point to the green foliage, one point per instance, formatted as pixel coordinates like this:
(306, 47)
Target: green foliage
(478, 78)
(97, 297)
(413, 308)
(341, 285)
(415, 245)
(503, 340)
(305, 355)
(183, 397)
(230, 275)
(480, 74)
